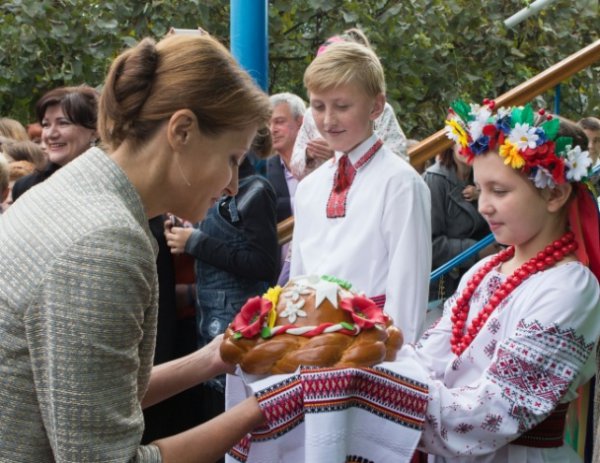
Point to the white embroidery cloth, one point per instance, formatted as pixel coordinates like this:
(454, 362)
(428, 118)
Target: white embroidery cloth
(531, 355)
(337, 415)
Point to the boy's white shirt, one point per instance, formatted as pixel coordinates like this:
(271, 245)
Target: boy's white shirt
(382, 246)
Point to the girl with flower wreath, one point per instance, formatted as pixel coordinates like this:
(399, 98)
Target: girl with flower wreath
(517, 338)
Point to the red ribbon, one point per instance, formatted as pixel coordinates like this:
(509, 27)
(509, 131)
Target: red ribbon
(584, 222)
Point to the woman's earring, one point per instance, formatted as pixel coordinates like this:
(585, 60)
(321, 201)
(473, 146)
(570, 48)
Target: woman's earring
(187, 182)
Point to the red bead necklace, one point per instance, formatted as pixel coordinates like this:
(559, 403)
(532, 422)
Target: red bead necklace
(551, 254)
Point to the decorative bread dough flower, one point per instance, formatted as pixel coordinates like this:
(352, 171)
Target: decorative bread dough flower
(248, 322)
(326, 290)
(293, 310)
(272, 295)
(296, 291)
(365, 313)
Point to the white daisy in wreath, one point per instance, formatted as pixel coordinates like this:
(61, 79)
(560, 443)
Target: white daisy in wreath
(578, 163)
(523, 136)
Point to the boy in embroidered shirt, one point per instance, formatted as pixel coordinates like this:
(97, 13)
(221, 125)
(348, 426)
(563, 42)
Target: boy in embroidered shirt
(365, 216)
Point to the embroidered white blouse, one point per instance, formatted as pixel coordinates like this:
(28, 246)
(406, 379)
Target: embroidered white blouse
(533, 353)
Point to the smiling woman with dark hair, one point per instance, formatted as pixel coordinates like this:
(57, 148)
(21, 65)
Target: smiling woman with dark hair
(67, 116)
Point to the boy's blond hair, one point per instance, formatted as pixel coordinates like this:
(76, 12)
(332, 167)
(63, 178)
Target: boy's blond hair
(346, 63)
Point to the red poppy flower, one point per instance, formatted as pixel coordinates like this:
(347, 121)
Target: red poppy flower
(557, 168)
(364, 312)
(248, 322)
(538, 155)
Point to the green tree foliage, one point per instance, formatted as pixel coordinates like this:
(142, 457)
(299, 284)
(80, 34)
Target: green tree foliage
(433, 51)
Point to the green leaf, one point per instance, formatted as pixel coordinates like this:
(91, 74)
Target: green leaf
(561, 144)
(551, 128)
(342, 283)
(265, 332)
(517, 116)
(348, 326)
(527, 115)
(462, 109)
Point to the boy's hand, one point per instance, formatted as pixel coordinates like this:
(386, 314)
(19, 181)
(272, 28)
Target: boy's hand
(177, 238)
(318, 149)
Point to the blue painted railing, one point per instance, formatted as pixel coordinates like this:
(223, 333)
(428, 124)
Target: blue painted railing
(457, 260)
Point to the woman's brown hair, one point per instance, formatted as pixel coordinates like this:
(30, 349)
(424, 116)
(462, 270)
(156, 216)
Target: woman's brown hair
(79, 104)
(149, 82)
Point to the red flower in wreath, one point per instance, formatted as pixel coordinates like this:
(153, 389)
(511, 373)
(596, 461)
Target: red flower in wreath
(538, 155)
(364, 312)
(248, 322)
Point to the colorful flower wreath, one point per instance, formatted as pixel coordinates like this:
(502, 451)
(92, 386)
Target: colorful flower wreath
(546, 159)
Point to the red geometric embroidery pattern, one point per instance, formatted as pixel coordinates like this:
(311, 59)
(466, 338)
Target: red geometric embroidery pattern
(283, 408)
(342, 180)
(318, 390)
(490, 349)
(463, 428)
(492, 422)
(535, 368)
(377, 391)
(241, 450)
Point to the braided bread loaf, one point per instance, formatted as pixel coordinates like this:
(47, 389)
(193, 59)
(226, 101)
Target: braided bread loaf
(315, 321)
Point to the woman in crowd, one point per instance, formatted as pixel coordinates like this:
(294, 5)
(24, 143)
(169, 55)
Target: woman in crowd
(26, 151)
(68, 119)
(456, 224)
(78, 309)
(12, 129)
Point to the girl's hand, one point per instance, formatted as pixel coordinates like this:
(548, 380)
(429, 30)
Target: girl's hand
(318, 149)
(470, 193)
(177, 238)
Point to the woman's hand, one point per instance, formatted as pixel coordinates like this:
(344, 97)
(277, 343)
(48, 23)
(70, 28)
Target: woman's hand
(213, 350)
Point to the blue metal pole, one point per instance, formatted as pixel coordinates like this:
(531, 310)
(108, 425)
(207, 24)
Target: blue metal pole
(250, 38)
(557, 99)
